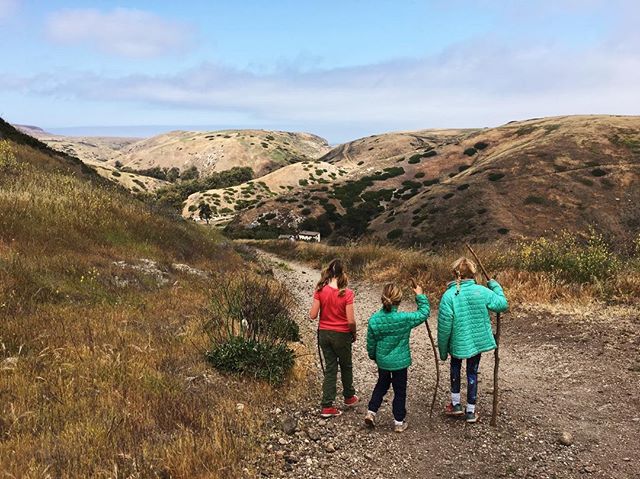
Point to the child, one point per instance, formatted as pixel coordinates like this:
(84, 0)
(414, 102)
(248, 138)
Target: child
(388, 345)
(464, 330)
(336, 332)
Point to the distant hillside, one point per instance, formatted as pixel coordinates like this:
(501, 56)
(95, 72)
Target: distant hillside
(521, 179)
(262, 151)
(227, 202)
(89, 149)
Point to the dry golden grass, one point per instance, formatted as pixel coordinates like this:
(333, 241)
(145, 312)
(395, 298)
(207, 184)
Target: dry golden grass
(381, 263)
(102, 379)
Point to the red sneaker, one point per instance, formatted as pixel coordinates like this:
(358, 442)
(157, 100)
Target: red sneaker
(330, 412)
(452, 410)
(352, 401)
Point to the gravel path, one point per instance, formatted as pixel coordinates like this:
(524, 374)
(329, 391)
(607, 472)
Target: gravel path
(571, 373)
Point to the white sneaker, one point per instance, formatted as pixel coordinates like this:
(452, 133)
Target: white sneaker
(401, 427)
(370, 420)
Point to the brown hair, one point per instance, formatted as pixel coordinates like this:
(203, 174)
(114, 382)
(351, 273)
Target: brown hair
(335, 269)
(391, 296)
(463, 268)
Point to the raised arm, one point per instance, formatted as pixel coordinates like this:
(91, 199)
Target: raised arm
(445, 325)
(420, 316)
(495, 299)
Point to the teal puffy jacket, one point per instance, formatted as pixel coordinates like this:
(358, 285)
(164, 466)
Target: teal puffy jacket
(464, 325)
(388, 335)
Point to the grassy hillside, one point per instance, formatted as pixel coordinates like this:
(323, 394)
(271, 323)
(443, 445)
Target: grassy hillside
(262, 151)
(102, 303)
(519, 180)
(226, 202)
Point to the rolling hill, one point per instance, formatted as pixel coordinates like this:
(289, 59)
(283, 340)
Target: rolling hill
(521, 179)
(263, 151)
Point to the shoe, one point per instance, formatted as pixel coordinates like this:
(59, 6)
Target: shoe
(471, 417)
(452, 410)
(328, 412)
(401, 427)
(370, 420)
(352, 401)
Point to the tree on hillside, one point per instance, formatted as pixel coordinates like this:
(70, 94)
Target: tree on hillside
(205, 212)
(190, 173)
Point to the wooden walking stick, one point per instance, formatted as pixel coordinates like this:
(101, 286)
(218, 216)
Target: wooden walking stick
(496, 353)
(435, 357)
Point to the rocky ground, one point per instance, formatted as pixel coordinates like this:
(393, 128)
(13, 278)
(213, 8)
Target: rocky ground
(570, 402)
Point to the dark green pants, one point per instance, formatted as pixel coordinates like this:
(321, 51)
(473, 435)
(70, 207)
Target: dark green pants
(336, 349)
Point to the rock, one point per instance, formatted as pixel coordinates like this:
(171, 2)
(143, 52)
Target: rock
(566, 439)
(330, 448)
(239, 407)
(322, 422)
(313, 435)
(282, 441)
(309, 461)
(277, 410)
(289, 425)
(290, 458)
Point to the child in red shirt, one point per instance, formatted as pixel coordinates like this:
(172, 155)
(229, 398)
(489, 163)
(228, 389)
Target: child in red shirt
(336, 331)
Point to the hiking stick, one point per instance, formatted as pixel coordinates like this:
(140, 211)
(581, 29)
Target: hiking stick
(435, 357)
(496, 353)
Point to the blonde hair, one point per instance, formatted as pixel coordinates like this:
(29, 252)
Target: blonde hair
(463, 268)
(391, 296)
(335, 269)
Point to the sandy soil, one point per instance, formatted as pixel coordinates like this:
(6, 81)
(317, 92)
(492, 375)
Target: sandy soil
(563, 370)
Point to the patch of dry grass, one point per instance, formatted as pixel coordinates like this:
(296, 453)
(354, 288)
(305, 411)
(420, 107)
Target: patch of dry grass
(102, 369)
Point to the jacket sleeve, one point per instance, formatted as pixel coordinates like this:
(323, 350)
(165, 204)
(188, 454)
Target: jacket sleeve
(496, 300)
(371, 343)
(445, 325)
(418, 317)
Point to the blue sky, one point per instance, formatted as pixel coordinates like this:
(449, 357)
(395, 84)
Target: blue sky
(341, 69)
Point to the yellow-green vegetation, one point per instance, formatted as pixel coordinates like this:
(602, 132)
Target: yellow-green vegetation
(103, 369)
(563, 268)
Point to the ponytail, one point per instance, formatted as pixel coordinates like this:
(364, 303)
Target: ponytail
(334, 270)
(391, 296)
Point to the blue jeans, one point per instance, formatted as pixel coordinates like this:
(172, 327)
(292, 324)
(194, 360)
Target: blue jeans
(472, 377)
(399, 381)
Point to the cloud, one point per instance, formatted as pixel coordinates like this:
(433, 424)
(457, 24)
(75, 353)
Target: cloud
(8, 8)
(122, 32)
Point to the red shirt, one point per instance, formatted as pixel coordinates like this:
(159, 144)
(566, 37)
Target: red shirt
(333, 308)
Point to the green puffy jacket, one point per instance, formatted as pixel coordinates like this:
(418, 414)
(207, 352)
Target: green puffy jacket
(464, 325)
(388, 335)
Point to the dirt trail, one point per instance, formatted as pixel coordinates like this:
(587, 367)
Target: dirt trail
(573, 371)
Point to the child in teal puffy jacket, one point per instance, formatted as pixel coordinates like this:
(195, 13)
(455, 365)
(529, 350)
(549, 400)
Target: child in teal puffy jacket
(388, 345)
(464, 330)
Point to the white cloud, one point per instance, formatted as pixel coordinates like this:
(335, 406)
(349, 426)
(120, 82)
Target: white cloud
(122, 32)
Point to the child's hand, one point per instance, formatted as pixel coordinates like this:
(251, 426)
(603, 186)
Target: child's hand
(416, 287)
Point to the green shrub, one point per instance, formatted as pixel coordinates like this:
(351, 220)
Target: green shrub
(420, 174)
(534, 200)
(470, 151)
(306, 212)
(249, 357)
(571, 258)
(414, 159)
(481, 145)
(463, 187)
(394, 234)
(116, 173)
(496, 176)
(597, 172)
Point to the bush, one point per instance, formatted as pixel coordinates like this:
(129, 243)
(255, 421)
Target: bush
(470, 151)
(481, 145)
(394, 234)
(496, 176)
(567, 256)
(249, 327)
(249, 357)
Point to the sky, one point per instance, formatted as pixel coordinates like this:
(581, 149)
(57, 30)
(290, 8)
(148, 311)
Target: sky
(340, 69)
